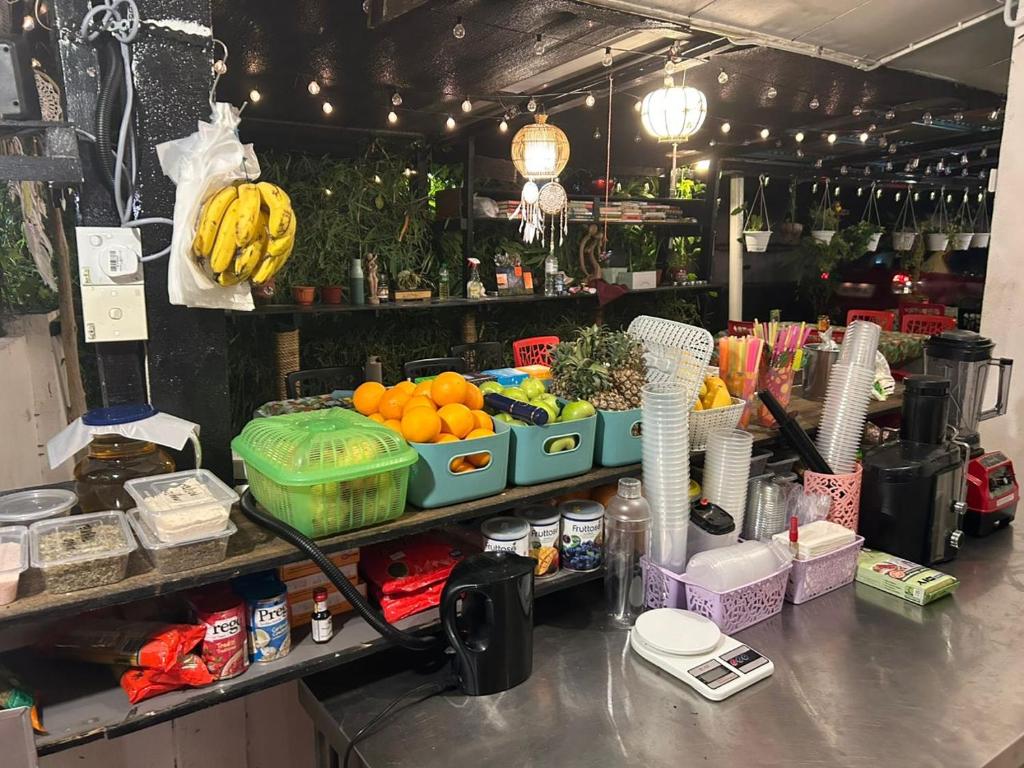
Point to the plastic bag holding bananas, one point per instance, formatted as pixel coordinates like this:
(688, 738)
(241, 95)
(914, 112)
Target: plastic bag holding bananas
(213, 170)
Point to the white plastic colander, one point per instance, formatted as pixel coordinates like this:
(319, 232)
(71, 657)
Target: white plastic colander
(674, 352)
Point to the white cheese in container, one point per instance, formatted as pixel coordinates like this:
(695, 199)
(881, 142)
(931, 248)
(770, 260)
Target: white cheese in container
(183, 506)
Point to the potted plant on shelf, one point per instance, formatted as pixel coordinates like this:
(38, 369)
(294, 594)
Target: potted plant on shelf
(332, 276)
(790, 230)
(683, 252)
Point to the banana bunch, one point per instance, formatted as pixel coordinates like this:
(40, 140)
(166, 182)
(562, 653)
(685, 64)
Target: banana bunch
(246, 232)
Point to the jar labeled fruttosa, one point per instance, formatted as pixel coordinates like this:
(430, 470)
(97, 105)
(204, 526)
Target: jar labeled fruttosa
(582, 535)
(545, 527)
(506, 534)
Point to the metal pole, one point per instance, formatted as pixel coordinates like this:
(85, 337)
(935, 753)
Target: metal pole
(735, 249)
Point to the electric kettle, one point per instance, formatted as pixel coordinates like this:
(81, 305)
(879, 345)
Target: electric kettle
(487, 614)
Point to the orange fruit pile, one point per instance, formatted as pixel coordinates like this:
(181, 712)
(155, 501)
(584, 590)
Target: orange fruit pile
(444, 410)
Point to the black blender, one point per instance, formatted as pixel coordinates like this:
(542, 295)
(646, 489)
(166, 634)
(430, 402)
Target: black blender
(964, 357)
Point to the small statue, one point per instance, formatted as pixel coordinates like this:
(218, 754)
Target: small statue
(373, 277)
(591, 244)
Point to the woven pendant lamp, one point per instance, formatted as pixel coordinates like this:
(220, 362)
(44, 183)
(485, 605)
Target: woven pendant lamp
(540, 150)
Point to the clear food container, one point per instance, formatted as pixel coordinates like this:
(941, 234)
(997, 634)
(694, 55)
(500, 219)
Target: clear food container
(13, 561)
(183, 506)
(83, 551)
(209, 549)
(27, 507)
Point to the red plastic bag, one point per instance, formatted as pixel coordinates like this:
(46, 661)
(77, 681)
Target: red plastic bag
(146, 644)
(406, 566)
(397, 607)
(141, 684)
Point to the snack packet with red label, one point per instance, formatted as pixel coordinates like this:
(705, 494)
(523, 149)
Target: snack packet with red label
(408, 565)
(395, 607)
(141, 684)
(146, 644)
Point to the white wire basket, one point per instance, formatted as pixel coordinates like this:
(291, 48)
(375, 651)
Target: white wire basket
(703, 423)
(674, 352)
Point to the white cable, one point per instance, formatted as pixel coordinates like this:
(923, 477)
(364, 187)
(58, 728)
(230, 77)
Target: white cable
(1008, 18)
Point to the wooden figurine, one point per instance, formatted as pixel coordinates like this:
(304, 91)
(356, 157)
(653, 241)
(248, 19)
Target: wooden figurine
(590, 245)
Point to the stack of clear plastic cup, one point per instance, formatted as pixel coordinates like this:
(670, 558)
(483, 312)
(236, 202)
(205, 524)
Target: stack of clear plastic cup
(766, 510)
(666, 468)
(843, 415)
(727, 472)
(860, 342)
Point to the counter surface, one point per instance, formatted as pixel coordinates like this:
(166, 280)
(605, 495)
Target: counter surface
(862, 678)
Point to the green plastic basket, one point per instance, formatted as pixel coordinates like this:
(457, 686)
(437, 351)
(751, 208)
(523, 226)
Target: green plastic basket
(530, 463)
(324, 472)
(433, 484)
(618, 442)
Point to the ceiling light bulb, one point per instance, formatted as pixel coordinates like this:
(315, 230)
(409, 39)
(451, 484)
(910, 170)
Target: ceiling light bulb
(963, 159)
(450, 123)
(392, 117)
(836, 191)
(949, 198)
(814, 186)
(531, 105)
(872, 128)
(772, 92)
(503, 126)
(799, 137)
(538, 45)
(963, 172)
(712, 143)
(814, 103)
(860, 191)
(927, 118)
(917, 196)
(313, 87)
(637, 139)
(467, 105)
(892, 149)
(878, 194)
(723, 77)
(958, 117)
(396, 99)
(597, 133)
(981, 175)
(458, 31)
(898, 196)
(883, 142)
(858, 110)
(867, 170)
(726, 127)
(863, 137)
(28, 23)
(888, 165)
(765, 133)
(890, 114)
(606, 60)
(832, 138)
(327, 107)
(994, 115)
(255, 96)
(638, 106)
(817, 164)
(984, 152)
(328, 192)
(843, 170)
(590, 100)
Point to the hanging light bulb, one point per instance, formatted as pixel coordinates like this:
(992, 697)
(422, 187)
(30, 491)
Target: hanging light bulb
(963, 159)
(814, 103)
(590, 100)
(396, 99)
(814, 187)
(915, 163)
(928, 171)
(597, 134)
(958, 117)
(917, 196)
(726, 127)
(981, 175)
(836, 191)
(878, 194)
(843, 170)
(799, 137)
(255, 96)
(888, 165)
(872, 128)
(898, 196)
(883, 142)
(723, 77)
(637, 139)
(458, 31)
(832, 138)
(867, 170)
(392, 117)
(984, 152)
(328, 191)
(927, 118)
(313, 87)
(538, 45)
(863, 137)
(638, 106)
(772, 92)
(28, 23)
(712, 143)
(963, 171)
(994, 115)
(327, 107)
(450, 123)
(892, 149)
(765, 133)
(860, 191)
(503, 125)
(858, 110)
(941, 165)
(890, 114)
(467, 105)
(949, 198)
(818, 163)
(531, 105)
(607, 60)
(799, 152)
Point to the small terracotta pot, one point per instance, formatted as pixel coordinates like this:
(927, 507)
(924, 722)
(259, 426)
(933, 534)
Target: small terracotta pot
(263, 294)
(303, 295)
(331, 294)
(677, 274)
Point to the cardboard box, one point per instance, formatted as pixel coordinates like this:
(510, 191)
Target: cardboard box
(301, 610)
(318, 579)
(613, 275)
(914, 583)
(308, 567)
(640, 280)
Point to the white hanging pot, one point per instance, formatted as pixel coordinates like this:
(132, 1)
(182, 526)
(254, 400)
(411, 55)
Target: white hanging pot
(823, 235)
(962, 240)
(756, 240)
(903, 241)
(936, 241)
(873, 242)
(980, 240)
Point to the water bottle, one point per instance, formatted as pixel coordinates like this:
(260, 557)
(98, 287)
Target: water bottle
(550, 275)
(356, 283)
(442, 283)
(627, 538)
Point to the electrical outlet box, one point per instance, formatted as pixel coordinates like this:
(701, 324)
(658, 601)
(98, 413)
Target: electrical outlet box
(111, 278)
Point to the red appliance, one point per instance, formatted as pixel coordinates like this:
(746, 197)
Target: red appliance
(992, 493)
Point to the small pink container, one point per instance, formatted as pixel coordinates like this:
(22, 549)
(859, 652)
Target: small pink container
(815, 577)
(732, 610)
(845, 493)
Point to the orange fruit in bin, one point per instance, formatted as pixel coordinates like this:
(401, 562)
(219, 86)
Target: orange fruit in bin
(366, 398)
(423, 388)
(456, 419)
(421, 425)
(418, 401)
(474, 398)
(446, 437)
(475, 433)
(376, 417)
(449, 387)
(394, 424)
(407, 387)
(392, 404)
(459, 464)
(483, 420)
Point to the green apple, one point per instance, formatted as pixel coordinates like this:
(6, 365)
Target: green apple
(491, 387)
(532, 387)
(505, 417)
(551, 410)
(547, 397)
(515, 393)
(577, 409)
(562, 444)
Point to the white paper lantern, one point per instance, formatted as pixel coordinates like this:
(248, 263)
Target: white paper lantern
(673, 113)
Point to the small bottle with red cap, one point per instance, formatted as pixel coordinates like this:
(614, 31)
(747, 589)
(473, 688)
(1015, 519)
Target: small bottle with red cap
(321, 622)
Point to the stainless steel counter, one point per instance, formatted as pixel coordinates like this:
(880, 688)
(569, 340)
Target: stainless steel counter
(862, 678)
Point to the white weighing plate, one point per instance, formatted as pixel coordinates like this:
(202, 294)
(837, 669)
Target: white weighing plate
(693, 649)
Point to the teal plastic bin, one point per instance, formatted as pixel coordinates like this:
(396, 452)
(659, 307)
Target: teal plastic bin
(530, 461)
(433, 484)
(618, 438)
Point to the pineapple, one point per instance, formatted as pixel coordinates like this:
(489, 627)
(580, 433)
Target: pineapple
(603, 366)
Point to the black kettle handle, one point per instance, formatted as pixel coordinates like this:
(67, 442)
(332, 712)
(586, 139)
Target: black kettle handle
(450, 598)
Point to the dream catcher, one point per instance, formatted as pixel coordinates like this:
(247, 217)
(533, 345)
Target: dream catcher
(541, 151)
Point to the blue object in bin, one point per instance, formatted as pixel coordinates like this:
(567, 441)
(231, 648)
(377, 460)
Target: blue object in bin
(618, 438)
(517, 408)
(118, 414)
(507, 377)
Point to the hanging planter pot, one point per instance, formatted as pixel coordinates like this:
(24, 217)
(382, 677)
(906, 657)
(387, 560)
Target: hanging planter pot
(903, 241)
(981, 224)
(824, 220)
(936, 241)
(756, 240)
(823, 235)
(961, 241)
(757, 231)
(873, 242)
(789, 233)
(872, 217)
(980, 240)
(905, 232)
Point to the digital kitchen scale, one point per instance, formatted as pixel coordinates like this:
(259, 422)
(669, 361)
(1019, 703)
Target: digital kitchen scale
(693, 648)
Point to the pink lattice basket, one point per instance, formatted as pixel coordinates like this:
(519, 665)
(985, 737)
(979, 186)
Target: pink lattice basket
(845, 493)
(732, 610)
(818, 575)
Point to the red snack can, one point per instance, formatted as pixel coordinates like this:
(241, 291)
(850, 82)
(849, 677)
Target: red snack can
(223, 614)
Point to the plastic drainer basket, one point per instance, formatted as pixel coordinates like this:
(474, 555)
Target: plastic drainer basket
(732, 610)
(703, 423)
(819, 575)
(674, 352)
(845, 493)
(324, 472)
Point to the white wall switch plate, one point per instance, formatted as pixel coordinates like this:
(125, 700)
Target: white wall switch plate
(111, 279)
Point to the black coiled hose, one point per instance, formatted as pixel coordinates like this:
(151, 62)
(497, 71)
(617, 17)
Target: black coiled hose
(110, 91)
(306, 545)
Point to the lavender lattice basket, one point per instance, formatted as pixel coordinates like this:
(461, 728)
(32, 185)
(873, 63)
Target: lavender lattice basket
(732, 610)
(820, 575)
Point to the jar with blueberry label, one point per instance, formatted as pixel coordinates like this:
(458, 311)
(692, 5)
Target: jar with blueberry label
(582, 543)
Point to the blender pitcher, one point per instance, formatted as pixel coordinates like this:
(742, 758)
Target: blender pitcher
(964, 357)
